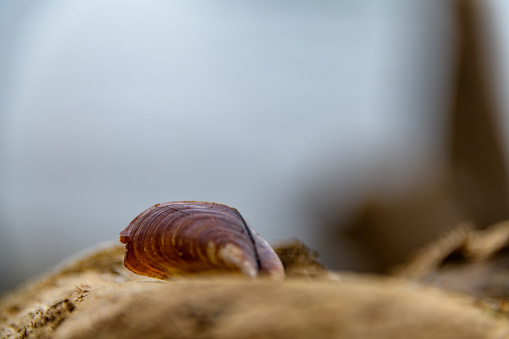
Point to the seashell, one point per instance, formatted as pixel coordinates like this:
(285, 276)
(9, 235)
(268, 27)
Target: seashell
(186, 237)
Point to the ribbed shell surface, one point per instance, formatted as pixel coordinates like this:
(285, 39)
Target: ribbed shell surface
(186, 237)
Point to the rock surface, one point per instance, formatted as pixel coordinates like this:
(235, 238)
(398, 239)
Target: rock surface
(96, 297)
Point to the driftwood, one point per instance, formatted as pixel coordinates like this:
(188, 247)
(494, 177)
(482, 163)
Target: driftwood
(466, 260)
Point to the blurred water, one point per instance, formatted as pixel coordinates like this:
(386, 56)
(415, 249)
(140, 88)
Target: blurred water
(109, 107)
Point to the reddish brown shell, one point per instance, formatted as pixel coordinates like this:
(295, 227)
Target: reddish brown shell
(185, 237)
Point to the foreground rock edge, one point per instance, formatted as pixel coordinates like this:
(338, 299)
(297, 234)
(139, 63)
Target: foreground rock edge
(67, 303)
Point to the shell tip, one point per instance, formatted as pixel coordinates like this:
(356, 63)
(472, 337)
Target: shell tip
(124, 237)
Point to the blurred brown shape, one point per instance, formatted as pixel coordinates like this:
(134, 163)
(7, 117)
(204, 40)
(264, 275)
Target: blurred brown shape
(388, 229)
(471, 184)
(476, 155)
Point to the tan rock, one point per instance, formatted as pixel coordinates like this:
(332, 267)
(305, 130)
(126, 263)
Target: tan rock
(96, 297)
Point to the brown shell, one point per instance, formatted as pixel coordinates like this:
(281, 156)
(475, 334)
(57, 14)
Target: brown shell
(185, 237)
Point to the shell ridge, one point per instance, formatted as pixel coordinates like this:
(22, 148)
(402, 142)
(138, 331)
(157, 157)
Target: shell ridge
(251, 237)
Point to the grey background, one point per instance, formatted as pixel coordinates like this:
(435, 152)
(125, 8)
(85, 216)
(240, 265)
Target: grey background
(108, 107)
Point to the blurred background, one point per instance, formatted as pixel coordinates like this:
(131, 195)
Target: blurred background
(310, 117)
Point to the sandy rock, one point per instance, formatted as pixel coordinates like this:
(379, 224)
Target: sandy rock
(236, 308)
(94, 296)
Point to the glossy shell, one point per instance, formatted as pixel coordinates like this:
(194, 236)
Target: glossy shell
(186, 237)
